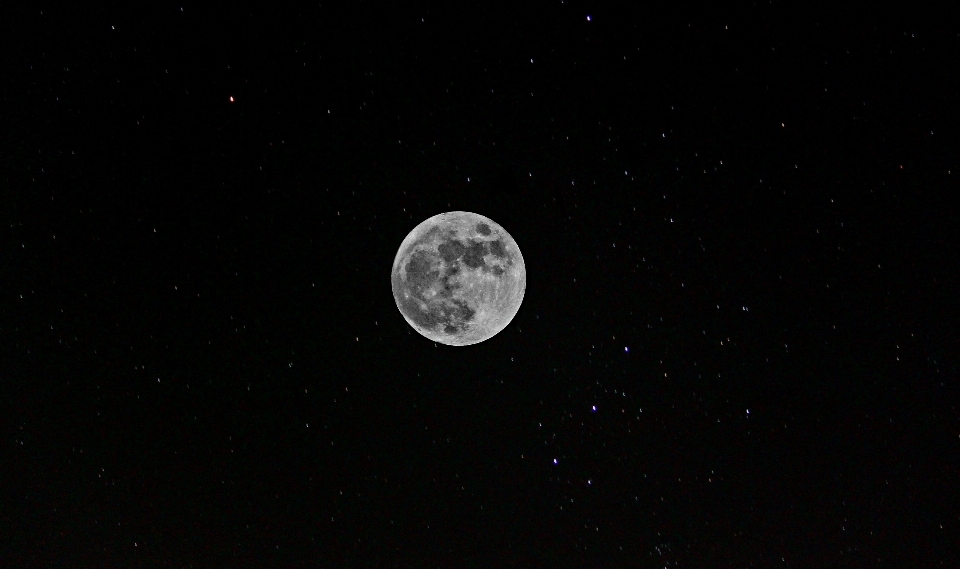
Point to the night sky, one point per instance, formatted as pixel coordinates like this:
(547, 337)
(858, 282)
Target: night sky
(737, 347)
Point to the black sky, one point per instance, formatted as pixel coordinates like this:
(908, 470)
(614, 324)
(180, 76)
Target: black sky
(737, 348)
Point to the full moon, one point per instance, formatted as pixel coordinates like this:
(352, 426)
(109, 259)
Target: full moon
(458, 278)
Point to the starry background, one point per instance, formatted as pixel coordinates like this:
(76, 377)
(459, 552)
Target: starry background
(738, 341)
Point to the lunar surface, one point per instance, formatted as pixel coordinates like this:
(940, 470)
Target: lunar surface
(459, 278)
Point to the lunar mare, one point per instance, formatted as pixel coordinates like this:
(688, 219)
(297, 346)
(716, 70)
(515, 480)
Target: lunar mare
(467, 278)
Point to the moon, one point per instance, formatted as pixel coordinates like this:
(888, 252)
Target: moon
(458, 278)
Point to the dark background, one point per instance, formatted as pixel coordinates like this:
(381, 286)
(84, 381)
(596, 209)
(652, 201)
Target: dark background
(737, 348)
